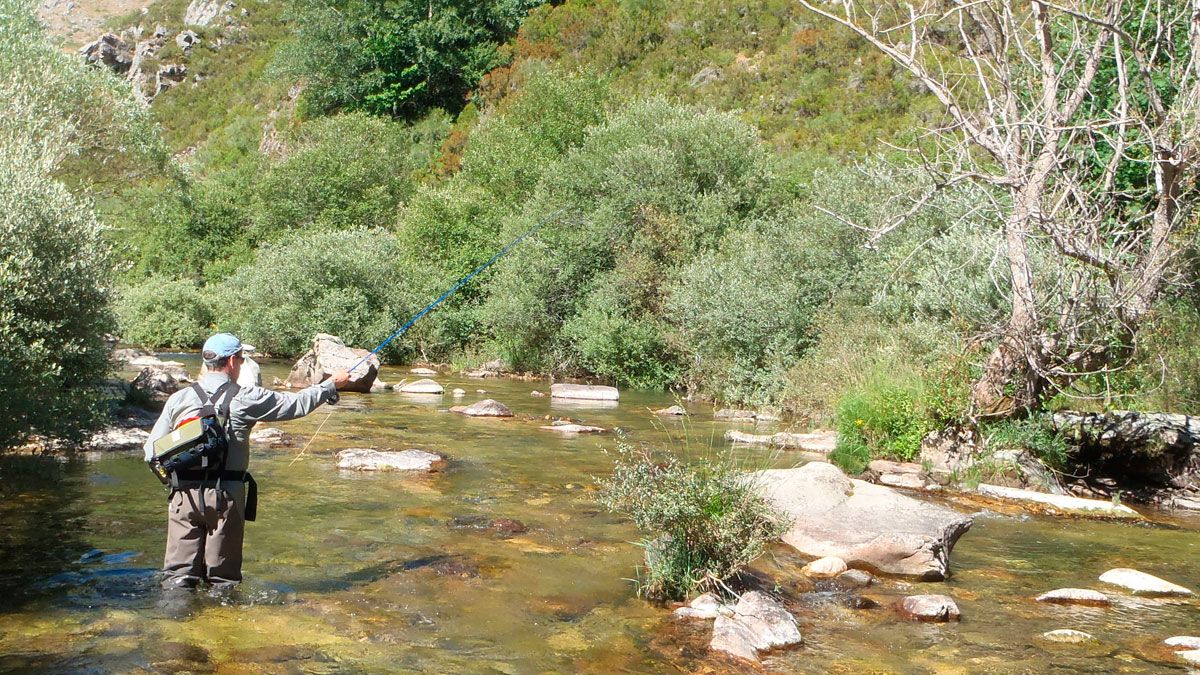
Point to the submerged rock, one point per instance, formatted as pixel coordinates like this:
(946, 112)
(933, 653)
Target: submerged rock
(1067, 636)
(1141, 583)
(485, 408)
(574, 429)
(757, 623)
(673, 411)
(1183, 642)
(939, 608)
(1192, 656)
(425, 386)
(852, 579)
(458, 393)
(866, 525)
(586, 392)
(328, 355)
(367, 459)
(1075, 596)
(423, 371)
(1075, 506)
(825, 567)
(823, 442)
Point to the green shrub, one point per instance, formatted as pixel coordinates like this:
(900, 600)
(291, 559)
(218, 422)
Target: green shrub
(615, 343)
(1034, 434)
(705, 520)
(160, 312)
(883, 419)
(347, 283)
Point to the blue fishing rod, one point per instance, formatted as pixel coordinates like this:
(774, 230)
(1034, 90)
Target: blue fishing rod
(433, 305)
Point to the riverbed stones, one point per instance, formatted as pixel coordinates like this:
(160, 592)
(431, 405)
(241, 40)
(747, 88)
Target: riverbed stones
(425, 386)
(572, 429)
(673, 411)
(1075, 596)
(822, 442)
(1183, 642)
(934, 608)
(584, 392)
(1140, 583)
(868, 526)
(327, 355)
(757, 623)
(825, 568)
(1074, 506)
(1067, 636)
(369, 459)
(486, 408)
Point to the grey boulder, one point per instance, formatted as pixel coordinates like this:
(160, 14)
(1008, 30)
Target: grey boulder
(587, 392)
(757, 623)
(328, 355)
(367, 459)
(485, 408)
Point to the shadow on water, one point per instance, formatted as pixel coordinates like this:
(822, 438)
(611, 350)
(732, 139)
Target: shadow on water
(43, 517)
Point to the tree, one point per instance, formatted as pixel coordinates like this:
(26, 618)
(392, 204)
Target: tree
(1082, 119)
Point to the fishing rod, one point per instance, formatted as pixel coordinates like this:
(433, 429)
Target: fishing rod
(431, 306)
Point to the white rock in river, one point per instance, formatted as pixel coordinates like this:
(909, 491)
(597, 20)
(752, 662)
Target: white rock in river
(574, 429)
(423, 371)
(118, 438)
(485, 408)
(1075, 596)
(586, 392)
(757, 623)
(367, 459)
(866, 525)
(1141, 583)
(458, 393)
(1068, 636)
(422, 387)
(930, 608)
(830, 566)
(1183, 642)
(266, 435)
(706, 606)
(1075, 506)
(1191, 656)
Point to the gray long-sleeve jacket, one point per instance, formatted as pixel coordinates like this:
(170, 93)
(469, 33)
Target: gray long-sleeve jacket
(251, 405)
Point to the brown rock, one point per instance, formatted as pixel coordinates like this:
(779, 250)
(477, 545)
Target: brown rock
(485, 408)
(939, 608)
(328, 355)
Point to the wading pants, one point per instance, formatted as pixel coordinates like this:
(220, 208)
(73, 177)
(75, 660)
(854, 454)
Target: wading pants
(205, 543)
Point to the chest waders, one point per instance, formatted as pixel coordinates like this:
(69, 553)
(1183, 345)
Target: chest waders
(195, 452)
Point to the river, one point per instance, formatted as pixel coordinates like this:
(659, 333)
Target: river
(359, 572)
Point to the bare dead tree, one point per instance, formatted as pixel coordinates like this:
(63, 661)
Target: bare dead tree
(1055, 106)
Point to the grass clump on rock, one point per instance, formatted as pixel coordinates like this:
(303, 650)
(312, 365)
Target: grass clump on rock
(705, 520)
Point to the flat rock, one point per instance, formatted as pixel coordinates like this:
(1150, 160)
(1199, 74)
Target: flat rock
(886, 466)
(1067, 636)
(1141, 583)
(851, 579)
(267, 436)
(757, 623)
(1075, 506)
(425, 386)
(118, 438)
(823, 442)
(485, 408)
(1191, 656)
(327, 355)
(673, 411)
(705, 606)
(574, 429)
(830, 566)
(909, 481)
(367, 459)
(423, 371)
(938, 608)
(1075, 596)
(479, 374)
(1183, 642)
(586, 392)
(733, 414)
(868, 526)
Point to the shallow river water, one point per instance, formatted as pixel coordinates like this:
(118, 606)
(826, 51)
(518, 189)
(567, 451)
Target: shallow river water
(349, 572)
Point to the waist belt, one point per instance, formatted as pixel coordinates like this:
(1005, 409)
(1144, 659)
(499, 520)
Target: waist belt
(210, 479)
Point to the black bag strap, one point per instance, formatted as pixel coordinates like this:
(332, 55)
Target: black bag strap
(210, 406)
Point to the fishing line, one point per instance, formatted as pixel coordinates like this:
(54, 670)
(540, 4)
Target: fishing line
(430, 307)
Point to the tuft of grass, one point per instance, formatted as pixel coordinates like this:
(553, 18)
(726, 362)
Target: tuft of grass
(879, 419)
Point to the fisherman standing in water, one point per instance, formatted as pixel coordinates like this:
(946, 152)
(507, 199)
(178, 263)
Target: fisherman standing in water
(212, 493)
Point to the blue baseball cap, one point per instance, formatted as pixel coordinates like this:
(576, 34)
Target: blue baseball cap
(221, 345)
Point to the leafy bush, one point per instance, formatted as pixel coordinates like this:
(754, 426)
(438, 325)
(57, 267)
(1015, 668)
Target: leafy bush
(164, 313)
(346, 283)
(883, 419)
(705, 520)
(1034, 434)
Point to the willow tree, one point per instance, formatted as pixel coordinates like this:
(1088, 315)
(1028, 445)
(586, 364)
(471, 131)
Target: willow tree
(1081, 119)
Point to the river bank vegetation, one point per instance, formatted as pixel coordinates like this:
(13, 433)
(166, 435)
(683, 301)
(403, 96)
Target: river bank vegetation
(738, 219)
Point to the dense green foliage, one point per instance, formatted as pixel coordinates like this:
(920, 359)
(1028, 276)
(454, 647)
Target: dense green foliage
(704, 519)
(883, 419)
(55, 263)
(398, 58)
(164, 312)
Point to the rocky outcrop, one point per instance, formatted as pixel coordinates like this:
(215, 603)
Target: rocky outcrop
(937, 608)
(1061, 504)
(109, 51)
(869, 526)
(367, 459)
(756, 623)
(425, 386)
(328, 355)
(585, 392)
(168, 75)
(485, 408)
(1075, 596)
(1149, 452)
(202, 12)
(158, 382)
(186, 40)
(823, 442)
(1140, 583)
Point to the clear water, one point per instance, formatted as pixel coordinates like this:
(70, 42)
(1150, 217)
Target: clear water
(365, 572)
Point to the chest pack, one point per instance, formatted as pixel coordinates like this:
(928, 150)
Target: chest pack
(198, 443)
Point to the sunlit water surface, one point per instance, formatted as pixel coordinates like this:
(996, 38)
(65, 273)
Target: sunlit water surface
(361, 572)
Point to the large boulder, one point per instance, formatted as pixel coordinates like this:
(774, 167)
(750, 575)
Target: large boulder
(869, 526)
(110, 51)
(328, 355)
(1157, 449)
(486, 408)
(158, 382)
(758, 622)
(586, 392)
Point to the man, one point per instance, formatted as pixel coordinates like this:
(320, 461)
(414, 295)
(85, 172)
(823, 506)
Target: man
(208, 508)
